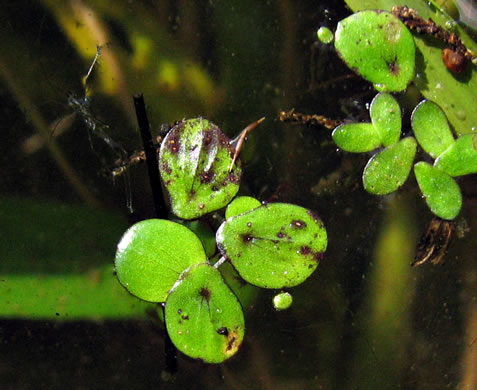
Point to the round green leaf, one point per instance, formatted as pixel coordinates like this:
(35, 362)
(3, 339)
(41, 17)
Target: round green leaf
(282, 301)
(386, 118)
(430, 128)
(275, 245)
(152, 254)
(441, 192)
(325, 35)
(387, 170)
(379, 47)
(203, 317)
(460, 158)
(356, 137)
(194, 161)
(245, 292)
(240, 205)
(205, 234)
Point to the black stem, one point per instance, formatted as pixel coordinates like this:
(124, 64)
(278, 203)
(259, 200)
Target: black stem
(159, 205)
(151, 156)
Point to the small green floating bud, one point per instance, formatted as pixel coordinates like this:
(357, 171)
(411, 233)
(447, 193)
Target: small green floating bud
(325, 35)
(282, 301)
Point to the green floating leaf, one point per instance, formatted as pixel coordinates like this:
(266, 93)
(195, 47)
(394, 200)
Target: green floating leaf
(386, 118)
(194, 162)
(357, 137)
(203, 231)
(282, 301)
(203, 317)
(245, 292)
(240, 205)
(431, 129)
(379, 47)
(387, 170)
(275, 245)
(151, 256)
(442, 193)
(460, 158)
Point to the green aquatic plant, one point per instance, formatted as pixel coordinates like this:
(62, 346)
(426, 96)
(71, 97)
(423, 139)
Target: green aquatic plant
(379, 47)
(272, 245)
(194, 162)
(389, 168)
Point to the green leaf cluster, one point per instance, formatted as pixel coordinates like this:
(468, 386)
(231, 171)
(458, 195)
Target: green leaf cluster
(381, 49)
(269, 245)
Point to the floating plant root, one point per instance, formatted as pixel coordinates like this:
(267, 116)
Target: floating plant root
(455, 56)
(297, 118)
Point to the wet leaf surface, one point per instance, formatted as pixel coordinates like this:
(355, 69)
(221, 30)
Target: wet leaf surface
(440, 190)
(460, 158)
(194, 162)
(241, 205)
(275, 245)
(379, 47)
(203, 317)
(388, 170)
(430, 127)
(357, 137)
(385, 116)
(151, 256)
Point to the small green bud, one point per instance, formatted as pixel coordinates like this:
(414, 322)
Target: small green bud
(282, 301)
(325, 35)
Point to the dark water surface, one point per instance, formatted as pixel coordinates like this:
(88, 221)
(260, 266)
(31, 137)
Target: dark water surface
(364, 320)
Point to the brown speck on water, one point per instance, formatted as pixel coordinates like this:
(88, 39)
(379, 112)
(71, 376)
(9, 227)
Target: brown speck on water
(318, 256)
(172, 142)
(394, 67)
(166, 168)
(305, 250)
(233, 178)
(246, 237)
(204, 292)
(230, 343)
(206, 177)
(298, 224)
(313, 215)
(223, 331)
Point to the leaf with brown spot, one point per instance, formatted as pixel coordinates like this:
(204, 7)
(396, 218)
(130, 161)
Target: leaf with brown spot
(215, 327)
(275, 245)
(194, 162)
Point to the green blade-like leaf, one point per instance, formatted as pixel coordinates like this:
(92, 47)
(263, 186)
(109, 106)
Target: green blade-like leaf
(194, 161)
(442, 193)
(460, 158)
(275, 245)
(387, 170)
(203, 317)
(151, 256)
(241, 205)
(357, 137)
(379, 47)
(385, 116)
(431, 129)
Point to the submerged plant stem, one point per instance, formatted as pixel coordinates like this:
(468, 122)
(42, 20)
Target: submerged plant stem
(44, 130)
(151, 156)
